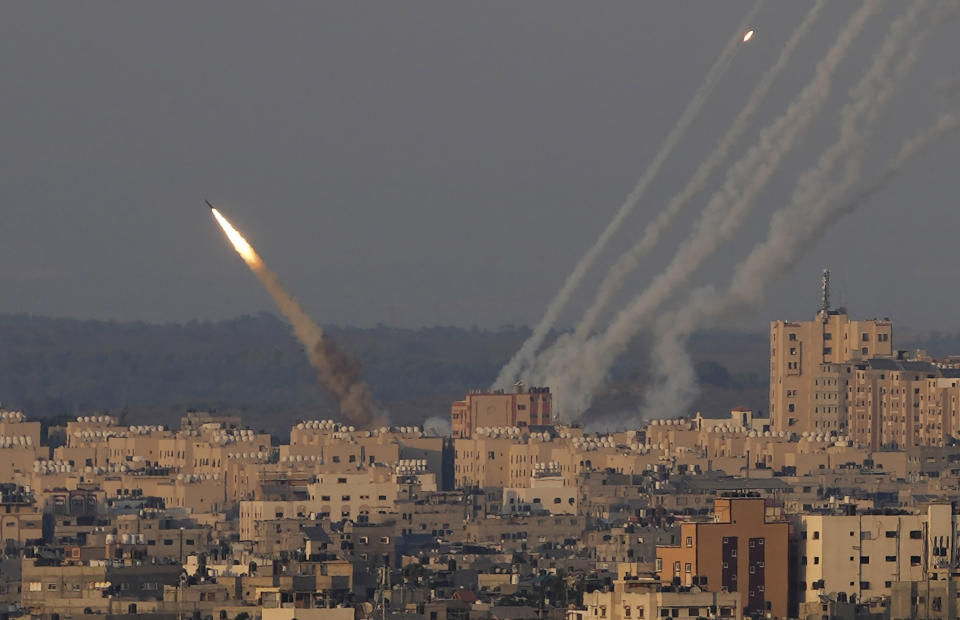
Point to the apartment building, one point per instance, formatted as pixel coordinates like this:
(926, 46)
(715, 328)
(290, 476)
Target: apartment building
(521, 408)
(807, 389)
(744, 549)
(20, 516)
(898, 404)
(644, 597)
(863, 555)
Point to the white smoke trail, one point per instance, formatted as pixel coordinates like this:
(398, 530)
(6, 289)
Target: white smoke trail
(814, 197)
(793, 231)
(522, 358)
(576, 368)
(630, 260)
(336, 371)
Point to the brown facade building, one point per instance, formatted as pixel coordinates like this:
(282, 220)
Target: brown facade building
(744, 549)
(521, 408)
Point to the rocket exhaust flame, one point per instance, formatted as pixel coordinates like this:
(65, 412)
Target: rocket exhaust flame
(244, 249)
(336, 371)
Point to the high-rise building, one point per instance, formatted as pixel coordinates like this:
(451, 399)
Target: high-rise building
(807, 381)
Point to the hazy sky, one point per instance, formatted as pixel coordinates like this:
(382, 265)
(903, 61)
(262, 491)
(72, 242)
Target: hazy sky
(418, 162)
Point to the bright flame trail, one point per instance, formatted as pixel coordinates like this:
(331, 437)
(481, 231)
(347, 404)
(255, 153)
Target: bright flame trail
(515, 367)
(336, 371)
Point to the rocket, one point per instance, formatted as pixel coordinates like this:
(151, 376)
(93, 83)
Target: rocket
(208, 204)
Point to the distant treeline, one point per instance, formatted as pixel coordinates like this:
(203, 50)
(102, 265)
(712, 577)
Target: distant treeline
(253, 366)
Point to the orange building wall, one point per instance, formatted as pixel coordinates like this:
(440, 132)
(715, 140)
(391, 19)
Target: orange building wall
(736, 522)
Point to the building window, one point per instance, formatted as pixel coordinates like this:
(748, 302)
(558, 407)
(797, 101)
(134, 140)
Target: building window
(688, 568)
(916, 534)
(689, 541)
(864, 559)
(891, 558)
(914, 560)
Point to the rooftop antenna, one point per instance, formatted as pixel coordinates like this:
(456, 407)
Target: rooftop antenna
(825, 294)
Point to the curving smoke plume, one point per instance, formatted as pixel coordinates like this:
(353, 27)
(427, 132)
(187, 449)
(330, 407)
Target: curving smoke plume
(336, 371)
(789, 237)
(575, 368)
(630, 260)
(817, 202)
(527, 352)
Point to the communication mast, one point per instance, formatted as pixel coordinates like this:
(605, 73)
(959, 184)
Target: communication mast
(825, 295)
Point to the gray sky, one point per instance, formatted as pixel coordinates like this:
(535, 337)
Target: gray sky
(417, 162)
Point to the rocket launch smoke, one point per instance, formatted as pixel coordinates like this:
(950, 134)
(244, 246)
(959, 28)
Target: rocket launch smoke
(528, 350)
(791, 234)
(575, 368)
(630, 260)
(336, 371)
(816, 204)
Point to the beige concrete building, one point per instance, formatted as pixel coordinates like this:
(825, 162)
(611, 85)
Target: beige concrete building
(863, 555)
(899, 404)
(644, 598)
(807, 389)
(545, 493)
(20, 516)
